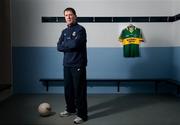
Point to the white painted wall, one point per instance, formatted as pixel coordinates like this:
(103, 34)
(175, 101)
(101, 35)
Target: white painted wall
(176, 6)
(155, 34)
(27, 29)
(176, 33)
(176, 25)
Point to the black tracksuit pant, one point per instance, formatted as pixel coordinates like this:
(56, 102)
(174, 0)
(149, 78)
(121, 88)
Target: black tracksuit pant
(76, 90)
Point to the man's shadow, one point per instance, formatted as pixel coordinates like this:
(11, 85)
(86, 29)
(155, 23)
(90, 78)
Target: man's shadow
(121, 103)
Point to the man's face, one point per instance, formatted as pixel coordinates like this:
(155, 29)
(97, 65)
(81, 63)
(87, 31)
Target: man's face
(69, 17)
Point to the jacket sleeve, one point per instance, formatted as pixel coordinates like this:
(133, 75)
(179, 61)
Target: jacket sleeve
(78, 42)
(61, 46)
(72, 44)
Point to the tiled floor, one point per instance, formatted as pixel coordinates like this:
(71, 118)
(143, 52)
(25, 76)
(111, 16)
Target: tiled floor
(103, 109)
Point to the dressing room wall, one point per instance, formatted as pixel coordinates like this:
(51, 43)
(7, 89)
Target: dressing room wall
(176, 37)
(5, 43)
(34, 43)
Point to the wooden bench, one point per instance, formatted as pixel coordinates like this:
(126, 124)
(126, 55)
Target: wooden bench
(118, 82)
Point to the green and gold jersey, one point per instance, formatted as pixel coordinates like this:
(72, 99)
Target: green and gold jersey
(131, 37)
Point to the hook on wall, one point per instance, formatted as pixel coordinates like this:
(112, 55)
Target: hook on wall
(130, 19)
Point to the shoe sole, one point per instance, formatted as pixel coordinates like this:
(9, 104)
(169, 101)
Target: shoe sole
(78, 122)
(67, 115)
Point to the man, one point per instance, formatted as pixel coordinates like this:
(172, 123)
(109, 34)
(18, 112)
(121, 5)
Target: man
(72, 43)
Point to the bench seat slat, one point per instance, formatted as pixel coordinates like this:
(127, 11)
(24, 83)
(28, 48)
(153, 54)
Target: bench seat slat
(118, 81)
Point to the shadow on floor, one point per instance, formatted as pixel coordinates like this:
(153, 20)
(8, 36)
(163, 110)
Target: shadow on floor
(121, 104)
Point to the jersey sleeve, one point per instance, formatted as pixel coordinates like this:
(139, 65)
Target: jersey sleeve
(121, 37)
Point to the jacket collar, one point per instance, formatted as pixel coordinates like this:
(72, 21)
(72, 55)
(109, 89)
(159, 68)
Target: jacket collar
(74, 24)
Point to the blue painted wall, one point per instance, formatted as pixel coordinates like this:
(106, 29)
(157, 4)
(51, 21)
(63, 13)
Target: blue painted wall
(176, 63)
(32, 63)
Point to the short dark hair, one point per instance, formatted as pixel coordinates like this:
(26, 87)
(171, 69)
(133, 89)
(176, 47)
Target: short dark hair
(70, 9)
